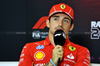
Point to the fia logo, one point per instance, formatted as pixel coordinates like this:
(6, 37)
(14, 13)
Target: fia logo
(95, 29)
(36, 34)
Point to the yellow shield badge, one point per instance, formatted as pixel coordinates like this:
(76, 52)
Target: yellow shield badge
(62, 6)
(72, 48)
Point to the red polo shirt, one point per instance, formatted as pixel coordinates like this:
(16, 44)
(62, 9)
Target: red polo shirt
(39, 53)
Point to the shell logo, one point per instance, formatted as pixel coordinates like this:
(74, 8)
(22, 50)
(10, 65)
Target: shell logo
(39, 55)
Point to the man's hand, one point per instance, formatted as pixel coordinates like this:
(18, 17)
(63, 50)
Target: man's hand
(57, 53)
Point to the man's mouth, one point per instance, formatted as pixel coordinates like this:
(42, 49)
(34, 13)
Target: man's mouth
(59, 29)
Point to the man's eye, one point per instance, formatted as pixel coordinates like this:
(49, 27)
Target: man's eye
(65, 20)
(56, 19)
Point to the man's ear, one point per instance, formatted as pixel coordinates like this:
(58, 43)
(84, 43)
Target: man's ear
(72, 26)
(47, 23)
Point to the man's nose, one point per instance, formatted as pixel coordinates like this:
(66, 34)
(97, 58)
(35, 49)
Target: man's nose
(60, 23)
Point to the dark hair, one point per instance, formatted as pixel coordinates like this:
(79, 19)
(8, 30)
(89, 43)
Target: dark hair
(72, 21)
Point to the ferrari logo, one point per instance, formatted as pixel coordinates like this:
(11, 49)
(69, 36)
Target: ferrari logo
(72, 48)
(62, 6)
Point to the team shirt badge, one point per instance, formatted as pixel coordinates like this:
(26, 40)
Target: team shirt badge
(72, 48)
(70, 56)
(39, 55)
(62, 6)
(40, 47)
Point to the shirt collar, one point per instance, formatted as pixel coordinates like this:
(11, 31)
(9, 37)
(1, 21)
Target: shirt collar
(67, 42)
(47, 41)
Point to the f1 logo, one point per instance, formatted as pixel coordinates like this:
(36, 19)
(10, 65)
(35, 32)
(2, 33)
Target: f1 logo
(41, 23)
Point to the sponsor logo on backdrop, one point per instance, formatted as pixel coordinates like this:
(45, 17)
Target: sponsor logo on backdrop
(41, 23)
(95, 29)
(36, 34)
(38, 27)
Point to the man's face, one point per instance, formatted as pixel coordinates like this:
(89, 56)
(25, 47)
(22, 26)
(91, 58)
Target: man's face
(60, 21)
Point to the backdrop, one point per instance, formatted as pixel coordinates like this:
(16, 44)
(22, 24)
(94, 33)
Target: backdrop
(19, 20)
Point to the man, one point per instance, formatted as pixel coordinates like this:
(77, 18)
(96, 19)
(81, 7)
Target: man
(46, 52)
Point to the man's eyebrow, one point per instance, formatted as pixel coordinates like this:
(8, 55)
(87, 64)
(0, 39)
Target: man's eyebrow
(56, 16)
(66, 18)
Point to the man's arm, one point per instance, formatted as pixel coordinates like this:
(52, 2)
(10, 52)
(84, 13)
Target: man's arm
(83, 57)
(56, 54)
(25, 57)
(48, 64)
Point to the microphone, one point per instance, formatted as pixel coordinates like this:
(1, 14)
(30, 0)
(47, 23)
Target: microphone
(59, 38)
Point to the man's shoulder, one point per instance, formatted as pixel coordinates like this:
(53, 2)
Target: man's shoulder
(79, 47)
(35, 44)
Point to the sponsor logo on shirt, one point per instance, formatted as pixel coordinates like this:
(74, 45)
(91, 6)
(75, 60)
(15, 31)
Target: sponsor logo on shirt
(72, 48)
(39, 64)
(88, 57)
(87, 60)
(21, 55)
(69, 60)
(70, 56)
(63, 6)
(66, 65)
(39, 55)
(86, 63)
(21, 60)
(24, 47)
(40, 47)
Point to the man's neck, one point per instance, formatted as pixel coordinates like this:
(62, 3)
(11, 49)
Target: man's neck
(51, 38)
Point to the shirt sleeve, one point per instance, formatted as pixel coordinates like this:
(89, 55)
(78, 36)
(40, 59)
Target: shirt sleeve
(25, 57)
(83, 57)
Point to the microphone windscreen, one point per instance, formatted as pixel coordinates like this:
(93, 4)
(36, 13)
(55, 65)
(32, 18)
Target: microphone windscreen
(59, 37)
